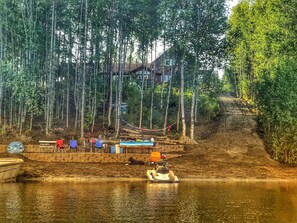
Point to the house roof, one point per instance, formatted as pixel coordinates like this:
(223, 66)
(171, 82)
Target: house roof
(132, 67)
(158, 62)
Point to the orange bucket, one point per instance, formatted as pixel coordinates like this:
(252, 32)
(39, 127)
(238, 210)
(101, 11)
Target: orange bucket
(155, 157)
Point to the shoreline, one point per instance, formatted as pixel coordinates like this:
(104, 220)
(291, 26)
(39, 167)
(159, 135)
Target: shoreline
(144, 179)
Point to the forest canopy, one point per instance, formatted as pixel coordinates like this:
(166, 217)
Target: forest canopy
(67, 63)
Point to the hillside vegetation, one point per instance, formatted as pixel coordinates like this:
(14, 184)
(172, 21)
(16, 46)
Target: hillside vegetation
(262, 48)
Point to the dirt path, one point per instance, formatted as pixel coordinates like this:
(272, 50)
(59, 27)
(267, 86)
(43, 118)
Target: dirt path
(234, 151)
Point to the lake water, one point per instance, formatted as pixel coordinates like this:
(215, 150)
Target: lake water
(145, 202)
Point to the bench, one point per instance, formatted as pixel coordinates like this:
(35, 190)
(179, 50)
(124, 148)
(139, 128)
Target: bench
(47, 145)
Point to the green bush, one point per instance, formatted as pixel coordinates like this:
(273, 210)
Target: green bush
(276, 98)
(208, 106)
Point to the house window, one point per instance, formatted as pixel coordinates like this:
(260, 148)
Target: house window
(166, 78)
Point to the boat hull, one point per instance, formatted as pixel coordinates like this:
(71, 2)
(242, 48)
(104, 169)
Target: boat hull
(9, 169)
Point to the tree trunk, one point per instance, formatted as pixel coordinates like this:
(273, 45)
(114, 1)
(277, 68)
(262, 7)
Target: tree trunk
(110, 102)
(178, 113)
(110, 97)
(68, 86)
(142, 88)
(194, 101)
(192, 129)
(153, 88)
(168, 100)
(122, 61)
(31, 121)
(50, 80)
(182, 104)
(162, 76)
(82, 120)
(94, 101)
(11, 111)
(117, 98)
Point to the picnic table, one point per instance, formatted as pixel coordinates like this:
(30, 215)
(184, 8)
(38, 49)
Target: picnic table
(43, 144)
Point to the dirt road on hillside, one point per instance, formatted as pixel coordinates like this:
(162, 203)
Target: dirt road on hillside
(234, 151)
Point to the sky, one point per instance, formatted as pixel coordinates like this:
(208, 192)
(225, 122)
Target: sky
(232, 3)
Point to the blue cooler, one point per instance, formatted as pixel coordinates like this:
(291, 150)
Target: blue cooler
(112, 149)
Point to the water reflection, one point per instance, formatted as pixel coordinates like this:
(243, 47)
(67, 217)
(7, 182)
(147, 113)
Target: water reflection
(145, 202)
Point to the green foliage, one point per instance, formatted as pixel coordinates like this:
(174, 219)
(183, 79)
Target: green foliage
(208, 106)
(245, 88)
(23, 89)
(277, 103)
(284, 144)
(240, 34)
(229, 82)
(262, 39)
(260, 32)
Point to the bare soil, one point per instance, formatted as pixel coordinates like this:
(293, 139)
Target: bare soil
(235, 150)
(230, 148)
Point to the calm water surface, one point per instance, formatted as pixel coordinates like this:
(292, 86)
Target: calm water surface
(144, 202)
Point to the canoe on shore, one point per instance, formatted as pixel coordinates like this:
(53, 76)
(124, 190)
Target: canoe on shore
(9, 169)
(136, 143)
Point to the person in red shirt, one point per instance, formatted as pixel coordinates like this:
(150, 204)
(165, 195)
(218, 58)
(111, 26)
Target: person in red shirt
(169, 128)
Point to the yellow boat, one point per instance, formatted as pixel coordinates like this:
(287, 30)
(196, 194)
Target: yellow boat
(9, 169)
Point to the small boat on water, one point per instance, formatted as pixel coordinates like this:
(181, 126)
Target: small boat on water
(9, 169)
(161, 174)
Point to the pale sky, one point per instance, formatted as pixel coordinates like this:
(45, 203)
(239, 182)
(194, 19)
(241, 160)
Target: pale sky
(232, 2)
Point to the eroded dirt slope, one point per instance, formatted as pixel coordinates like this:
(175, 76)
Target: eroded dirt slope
(234, 151)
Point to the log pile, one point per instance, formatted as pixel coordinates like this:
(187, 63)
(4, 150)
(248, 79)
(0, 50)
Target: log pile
(128, 134)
